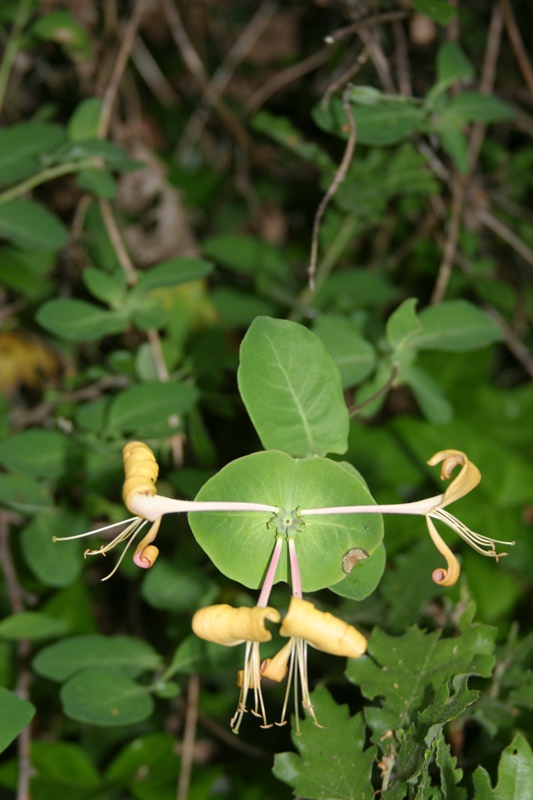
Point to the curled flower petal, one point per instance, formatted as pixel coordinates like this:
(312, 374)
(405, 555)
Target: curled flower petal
(229, 626)
(468, 478)
(449, 576)
(322, 630)
(140, 470)
(276, 668)
(146, 553)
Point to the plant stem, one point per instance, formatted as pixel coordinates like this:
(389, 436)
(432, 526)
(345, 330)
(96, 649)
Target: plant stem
(295, 570)
(46, 175)
(271, 572)
(12, 47)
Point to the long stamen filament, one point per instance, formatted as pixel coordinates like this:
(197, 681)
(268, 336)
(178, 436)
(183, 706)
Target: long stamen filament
(482, 544)
(95, 532)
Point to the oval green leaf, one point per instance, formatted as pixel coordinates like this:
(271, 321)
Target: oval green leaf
(240, 543)
(41, 453)
(127, 654)
(292, 389)
(79, 321)
(29, 224)
(31, 625)
(16, 714)
(151, 409)
(101, 696)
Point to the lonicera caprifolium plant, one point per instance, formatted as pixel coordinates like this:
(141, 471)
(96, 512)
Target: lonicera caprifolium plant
(265, 400)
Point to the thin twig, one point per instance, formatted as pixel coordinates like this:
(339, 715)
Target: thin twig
(498, 227)
(229, 738)
(448, 258)
(379, 19)
(517, 44)
(216, 87)
(116, 240)
(402, 59)
(515, 345)
(346, 76)
(338, 178)
(379, 59)
(23, 648)
(12, 46)
(128, 40)
(185, 46)
(353, 410)
(286, 76)
(152, 75)
(158, 356)
(189, 737)
(488, 75)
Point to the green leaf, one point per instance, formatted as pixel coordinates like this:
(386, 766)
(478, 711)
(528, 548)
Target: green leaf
(197, 655)
(440, 11)
(29, 224)
(476, 107)
(454, 326)
(452, 65)
(364, 576)
(109, 288)
(62, 769)
(100, 696)
(240, 543)
(434, 405)
(171, 588)
(15, 714)
(403, 669)
(402, 325)
(173, 273)
(515, 774)
(54, 564)
(149, 765)
(61, 27)
(246, 254)
(98, 181)
(151, 408)
(281, 130)
(455, 143)
(353, 355)
(85, 120)
(126, 654)
(21, 147)
(331, 761)
(31, 625)
(449, 774)
(38, 452)
(79, 321)
(292, 389)
(23, 493)
(386, 123)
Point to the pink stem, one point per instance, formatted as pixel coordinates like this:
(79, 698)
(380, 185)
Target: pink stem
(271, 572)
(295, 571)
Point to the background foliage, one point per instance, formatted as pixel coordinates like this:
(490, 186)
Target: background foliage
(161, 166)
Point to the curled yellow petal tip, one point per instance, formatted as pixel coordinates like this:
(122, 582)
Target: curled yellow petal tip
(468, 478)
(140, 471)
(322, 630)
(276, 668)
(449, 576)
(229, 626)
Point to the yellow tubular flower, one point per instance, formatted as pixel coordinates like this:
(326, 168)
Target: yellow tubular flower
(444, 577)
(229, 626)
(140, 470)
(468, 478)
(322, 630)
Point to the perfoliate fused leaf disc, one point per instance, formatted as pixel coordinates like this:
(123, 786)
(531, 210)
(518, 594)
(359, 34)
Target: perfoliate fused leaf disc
(240, 543)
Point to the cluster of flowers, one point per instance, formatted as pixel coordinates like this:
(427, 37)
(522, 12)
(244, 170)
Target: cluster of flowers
(303, 624)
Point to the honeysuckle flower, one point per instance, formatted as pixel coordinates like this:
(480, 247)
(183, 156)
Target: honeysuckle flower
(306, 625)
(141, 498)
(435, 508)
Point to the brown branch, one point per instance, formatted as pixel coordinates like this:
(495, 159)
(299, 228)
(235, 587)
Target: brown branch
(16, 599)
(515, 345)
(450, 249)
(116, 240)
(286, 76)
(517, 44)
(401, 58)
(379, 19)
(152, 75)
(124, 53)
(353, 410)
(346, 76)
(158, 356)
(379, 59)
(498, 227)
(189, 737)
(216, 87)
(338, 178)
